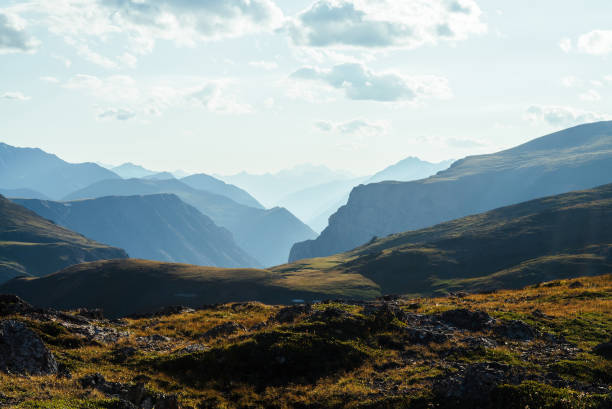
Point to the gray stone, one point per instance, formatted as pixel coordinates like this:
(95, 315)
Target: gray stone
(23, 352)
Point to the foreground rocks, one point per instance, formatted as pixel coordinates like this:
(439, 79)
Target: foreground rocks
(130, 395)
(23, 352)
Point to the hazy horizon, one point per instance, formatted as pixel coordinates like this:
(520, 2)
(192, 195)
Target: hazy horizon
(262, 86)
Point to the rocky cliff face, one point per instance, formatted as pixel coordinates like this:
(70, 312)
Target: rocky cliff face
(573, 159)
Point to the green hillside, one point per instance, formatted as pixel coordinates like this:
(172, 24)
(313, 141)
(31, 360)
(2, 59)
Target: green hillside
(555, 237)
(31, 245)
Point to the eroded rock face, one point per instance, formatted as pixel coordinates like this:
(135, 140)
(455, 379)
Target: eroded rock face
(23, 352)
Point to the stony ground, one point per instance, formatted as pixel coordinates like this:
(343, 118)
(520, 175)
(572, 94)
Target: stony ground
(546, 346)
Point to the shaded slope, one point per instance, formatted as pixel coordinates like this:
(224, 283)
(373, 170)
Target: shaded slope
(130, 286)
(27, 168)
(556, 237)
(202, 181)
(266, 235)
(576, 158)
(154, 227)
(32, 245)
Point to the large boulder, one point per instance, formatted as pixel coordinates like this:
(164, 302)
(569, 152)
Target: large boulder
(23, 352)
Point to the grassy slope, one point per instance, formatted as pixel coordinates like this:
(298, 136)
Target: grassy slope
(356, 365)
(556, 237)
(33, 245)
(149, 285)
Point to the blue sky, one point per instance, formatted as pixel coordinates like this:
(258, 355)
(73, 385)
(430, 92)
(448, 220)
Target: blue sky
(262, 85)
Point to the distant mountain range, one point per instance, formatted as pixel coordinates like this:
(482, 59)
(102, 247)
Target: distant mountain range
(31, 245)
(155, 227)
(410, 169)
(316, 204)
(271, 188)
(33, 169)
(267, 235)
(130, 170)
(553, 238)
(213, 185)
(576, 158)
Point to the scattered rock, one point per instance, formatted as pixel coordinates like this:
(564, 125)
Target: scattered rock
(426, 336)
(291, 313)
(466, 319)
(107, 335)
(604, 349)
(134, 396)
(190, 349)
(515, 330)
(94, 313)
(121, 355)
(576, 284)
(164, 312)
(224, 329)
(23, 352)
(475, 382)
(258, 326)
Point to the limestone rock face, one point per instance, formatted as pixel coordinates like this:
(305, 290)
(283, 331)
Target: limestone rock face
(23, 352)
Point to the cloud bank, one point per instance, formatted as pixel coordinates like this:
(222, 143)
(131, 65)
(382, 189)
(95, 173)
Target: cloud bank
(562, 115)
(385, 23)
(360, 83)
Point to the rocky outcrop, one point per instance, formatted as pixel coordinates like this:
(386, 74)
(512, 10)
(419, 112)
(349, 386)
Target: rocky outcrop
(130, 395)
(23, 352)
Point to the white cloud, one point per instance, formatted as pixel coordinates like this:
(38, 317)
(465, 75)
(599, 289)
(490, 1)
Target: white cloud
(86, 24)
(153, 99)
(570, 81)
(591, 96)
(596, 42)
(119, 114)
(264, 65)
(16, 96)
(566, 45)
(214, 97)
(385, 23)
(562, 115)
(354, 127)
(13, 37)
(51, 80)
(608, 78)
(360, 83)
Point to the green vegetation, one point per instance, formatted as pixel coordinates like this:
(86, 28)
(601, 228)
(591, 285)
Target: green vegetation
(382, 354)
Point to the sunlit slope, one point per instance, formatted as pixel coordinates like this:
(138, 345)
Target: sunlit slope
(555, 237)
(123, 287)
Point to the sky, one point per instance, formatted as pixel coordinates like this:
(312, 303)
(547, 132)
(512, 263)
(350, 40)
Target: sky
(223, 86)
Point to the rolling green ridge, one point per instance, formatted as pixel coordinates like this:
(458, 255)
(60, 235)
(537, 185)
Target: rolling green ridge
(32, 245)
(122, 287)
(555, 237)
